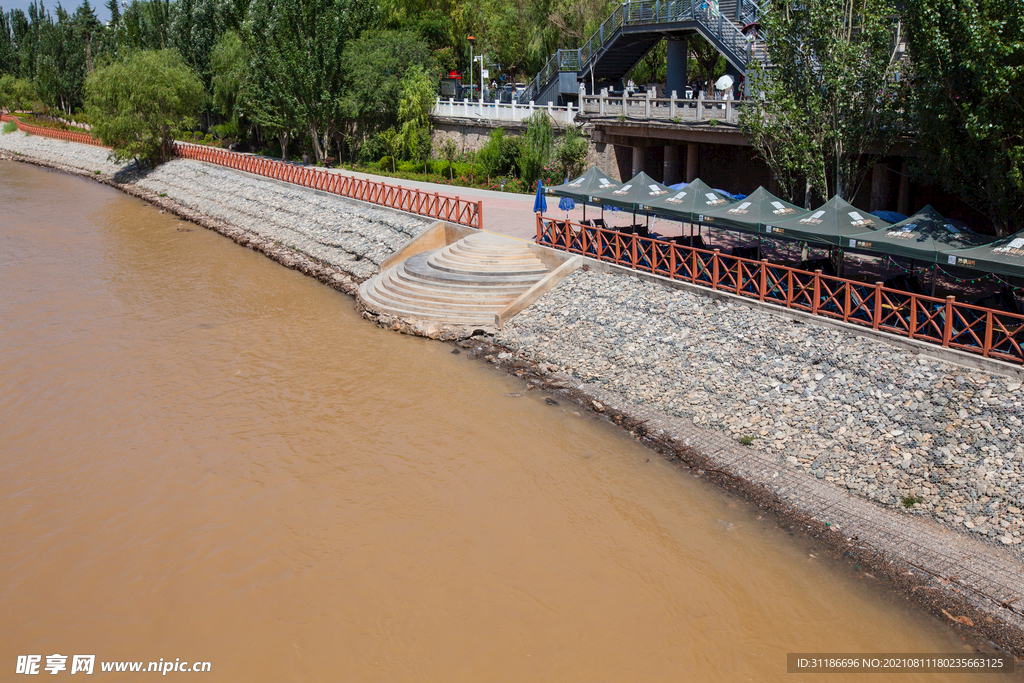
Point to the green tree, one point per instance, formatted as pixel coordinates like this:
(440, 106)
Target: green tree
(419, 90)
(831, 102)
(229, 63)
(298, 48)
(138, 105)
(968, 69)
(537, 146)
(375, 65)
(195, 28)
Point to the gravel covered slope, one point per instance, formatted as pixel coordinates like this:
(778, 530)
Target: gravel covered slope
(82, 157)
(879, 420)
(354, 237)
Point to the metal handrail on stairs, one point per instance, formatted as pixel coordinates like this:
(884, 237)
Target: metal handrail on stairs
(640, 13)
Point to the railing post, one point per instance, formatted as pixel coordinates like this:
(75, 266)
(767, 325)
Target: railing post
(912, 323)
(672, 260)
(763, 287)
(988, 333)
(672, 106)
(876, 318)
(817, 293)
(604, 101)
(846, 303)
(947, 332)
(714, 269)
(539, 229)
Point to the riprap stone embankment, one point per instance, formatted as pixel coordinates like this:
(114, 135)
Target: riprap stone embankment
(885, 423)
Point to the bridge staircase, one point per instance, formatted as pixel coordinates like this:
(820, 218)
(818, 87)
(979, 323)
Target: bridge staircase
(634, 28)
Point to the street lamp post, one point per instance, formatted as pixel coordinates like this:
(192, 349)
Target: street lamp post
(471, 60)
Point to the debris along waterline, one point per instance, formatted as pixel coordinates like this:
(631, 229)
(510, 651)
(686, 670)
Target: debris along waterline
(989, 620)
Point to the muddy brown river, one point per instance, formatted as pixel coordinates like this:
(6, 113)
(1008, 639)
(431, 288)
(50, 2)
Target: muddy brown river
(205, 456)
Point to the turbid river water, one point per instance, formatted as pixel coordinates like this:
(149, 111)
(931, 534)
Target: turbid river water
(205, 456)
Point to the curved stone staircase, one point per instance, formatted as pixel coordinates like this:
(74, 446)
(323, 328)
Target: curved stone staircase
(464, 284)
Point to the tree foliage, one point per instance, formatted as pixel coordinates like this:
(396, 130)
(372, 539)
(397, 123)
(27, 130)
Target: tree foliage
(968, 68)
(537, 145)
(17, 94)
(138, 105)
(419, 89)
(831, 102)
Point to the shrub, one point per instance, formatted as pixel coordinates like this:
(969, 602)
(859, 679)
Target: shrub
(18, 94)
(536, 146)
(386, 162)
(140, 104)
(571, 153)
(10, 126)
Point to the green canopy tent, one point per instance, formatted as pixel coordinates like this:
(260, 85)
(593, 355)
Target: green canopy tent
(1004, 256)
(828, 224)
(689, 202)
(754, 214)
(635, 194)
(925, 236)
(581, 188)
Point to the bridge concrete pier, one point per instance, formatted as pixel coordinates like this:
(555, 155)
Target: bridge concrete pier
(675, 75)
(692, 152)
(639, 157)
(671, 165)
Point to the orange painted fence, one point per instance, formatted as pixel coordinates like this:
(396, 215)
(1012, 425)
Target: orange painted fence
(70, 136)
(434, 205)
(984, 331)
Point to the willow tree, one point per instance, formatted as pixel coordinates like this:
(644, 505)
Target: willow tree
(140, 104)
(831, 101)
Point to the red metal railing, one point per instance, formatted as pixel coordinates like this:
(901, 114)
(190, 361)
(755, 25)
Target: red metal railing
(985, 331)
(70, 136)
(434, 205)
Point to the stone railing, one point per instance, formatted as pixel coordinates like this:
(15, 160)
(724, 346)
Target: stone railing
(492, 111)
(670, 109)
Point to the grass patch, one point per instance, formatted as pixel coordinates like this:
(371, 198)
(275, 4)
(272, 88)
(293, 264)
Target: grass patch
(747, 439)
(162, 194)
(10, 126)
(911, 501)
(97, 172)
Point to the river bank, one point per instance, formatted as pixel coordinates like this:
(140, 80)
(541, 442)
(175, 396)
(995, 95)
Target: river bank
(825, 411)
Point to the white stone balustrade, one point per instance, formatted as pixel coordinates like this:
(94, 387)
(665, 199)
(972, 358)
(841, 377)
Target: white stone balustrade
(492, 111)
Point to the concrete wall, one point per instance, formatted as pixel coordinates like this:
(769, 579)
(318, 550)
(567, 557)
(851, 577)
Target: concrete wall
(472, 136)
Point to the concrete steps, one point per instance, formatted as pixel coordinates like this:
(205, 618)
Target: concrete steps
(465, 283)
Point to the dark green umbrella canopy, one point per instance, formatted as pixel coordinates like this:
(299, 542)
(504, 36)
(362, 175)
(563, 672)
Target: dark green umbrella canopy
(828, 224)
(753, 214)
(580, 189)
(1004, 256)
(635, 194)
(690, 202)
(921, 237)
